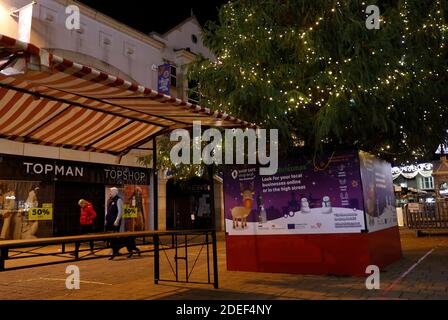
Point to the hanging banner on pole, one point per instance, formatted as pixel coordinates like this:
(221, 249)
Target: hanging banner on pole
(164, 79)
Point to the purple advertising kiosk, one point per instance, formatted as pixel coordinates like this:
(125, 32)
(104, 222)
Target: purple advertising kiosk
(333, 217)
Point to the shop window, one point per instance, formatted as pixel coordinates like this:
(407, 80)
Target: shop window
(193, 92)
(135, 207)
(26, 210)
(427, 183)
(188, 204)
(173, 76)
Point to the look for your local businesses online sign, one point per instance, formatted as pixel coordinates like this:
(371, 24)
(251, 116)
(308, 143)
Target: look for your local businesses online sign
(302, 198)
(305, 197)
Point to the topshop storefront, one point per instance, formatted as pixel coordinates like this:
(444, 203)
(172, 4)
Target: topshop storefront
(39, 197)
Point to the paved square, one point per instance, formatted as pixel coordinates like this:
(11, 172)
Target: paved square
(125, 279)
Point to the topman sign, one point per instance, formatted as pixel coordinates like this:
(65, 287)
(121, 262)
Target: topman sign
(39, 169)
(57, 170)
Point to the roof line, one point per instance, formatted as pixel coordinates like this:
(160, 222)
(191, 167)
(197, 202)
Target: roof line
(190, 18)
(57, 145)
(109, 21)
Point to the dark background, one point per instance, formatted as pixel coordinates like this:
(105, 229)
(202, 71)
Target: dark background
(160, 16)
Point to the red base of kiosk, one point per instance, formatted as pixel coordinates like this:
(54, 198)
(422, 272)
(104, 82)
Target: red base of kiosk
(328, 254)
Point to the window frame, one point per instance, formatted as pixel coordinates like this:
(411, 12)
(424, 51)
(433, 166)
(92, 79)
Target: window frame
(173, 76)
(427, 183)
(192, 94)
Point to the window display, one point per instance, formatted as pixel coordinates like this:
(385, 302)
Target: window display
(135, 208)
(26, 210)
(137, 199)
(40, 197)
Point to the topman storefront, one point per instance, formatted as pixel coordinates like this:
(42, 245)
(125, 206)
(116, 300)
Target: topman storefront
(68, 111)
(39, 197)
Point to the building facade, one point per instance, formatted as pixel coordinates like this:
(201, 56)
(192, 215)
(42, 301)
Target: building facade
(109, 46)
(418, 176)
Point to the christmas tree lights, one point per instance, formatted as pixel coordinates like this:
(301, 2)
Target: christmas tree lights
(313, 70)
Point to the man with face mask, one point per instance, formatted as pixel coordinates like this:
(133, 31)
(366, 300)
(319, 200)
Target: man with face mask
(114, 211)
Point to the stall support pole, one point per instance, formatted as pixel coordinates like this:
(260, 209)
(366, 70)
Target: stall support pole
(3, 257)
(215, 261)
(212, 196)
(77, 245)
(156, 260)
(156, 211)
(213, 216)
(155, 184)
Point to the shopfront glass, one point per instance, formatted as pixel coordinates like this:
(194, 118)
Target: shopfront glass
(26, 210)
(188, 204)
(39, 197)
(135, 206)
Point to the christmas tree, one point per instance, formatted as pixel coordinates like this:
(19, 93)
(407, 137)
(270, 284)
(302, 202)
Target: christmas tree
(318, 73)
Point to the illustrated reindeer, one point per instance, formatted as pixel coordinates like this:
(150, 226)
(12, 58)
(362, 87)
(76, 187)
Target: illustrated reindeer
(241, 213)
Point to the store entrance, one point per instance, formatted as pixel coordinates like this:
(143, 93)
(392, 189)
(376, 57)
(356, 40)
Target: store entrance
(67, 211)
(184, 198)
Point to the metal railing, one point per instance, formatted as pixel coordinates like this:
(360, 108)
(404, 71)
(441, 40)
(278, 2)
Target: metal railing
(430, 216)
(166, 242)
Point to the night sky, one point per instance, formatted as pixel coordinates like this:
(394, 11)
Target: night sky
(160, 16)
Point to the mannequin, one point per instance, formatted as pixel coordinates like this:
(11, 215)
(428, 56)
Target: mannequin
(29, 228)
(136, 201)
(114, 211)
(32, 201)
(9, 202)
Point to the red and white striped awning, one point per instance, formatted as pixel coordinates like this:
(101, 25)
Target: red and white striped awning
(57, 102)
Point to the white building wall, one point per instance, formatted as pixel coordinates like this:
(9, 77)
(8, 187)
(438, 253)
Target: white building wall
(100, 37)
(32, 150)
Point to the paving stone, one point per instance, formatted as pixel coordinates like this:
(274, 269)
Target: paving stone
(133, 279)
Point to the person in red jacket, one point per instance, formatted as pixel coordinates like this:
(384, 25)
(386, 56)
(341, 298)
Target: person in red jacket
(88, 214)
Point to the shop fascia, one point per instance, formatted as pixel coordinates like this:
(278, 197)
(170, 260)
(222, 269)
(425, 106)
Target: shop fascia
(62, 170)
(124, 175)
(58, 170)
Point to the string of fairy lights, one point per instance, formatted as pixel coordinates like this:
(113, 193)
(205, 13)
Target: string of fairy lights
(330, 83)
